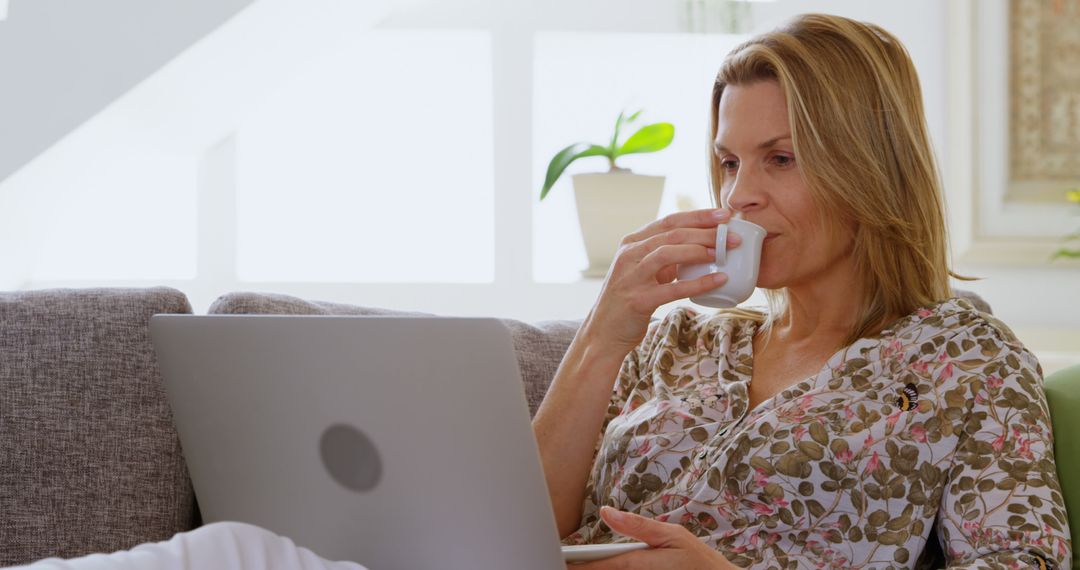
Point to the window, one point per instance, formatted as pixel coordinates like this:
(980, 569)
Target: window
(582, 82)
(113, 212)
(358, 168)
(369, 168)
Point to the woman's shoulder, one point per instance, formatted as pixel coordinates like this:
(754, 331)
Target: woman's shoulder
(955, 330)
(952, 317)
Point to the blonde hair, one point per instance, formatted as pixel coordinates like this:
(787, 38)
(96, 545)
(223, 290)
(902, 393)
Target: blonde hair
(860, 137)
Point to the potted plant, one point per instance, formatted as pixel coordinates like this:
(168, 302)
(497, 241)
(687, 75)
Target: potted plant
(1073, 196)
(614, 203)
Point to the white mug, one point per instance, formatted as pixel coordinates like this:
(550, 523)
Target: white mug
(739, 264)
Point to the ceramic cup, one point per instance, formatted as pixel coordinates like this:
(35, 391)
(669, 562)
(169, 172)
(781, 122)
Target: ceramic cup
(740, 264)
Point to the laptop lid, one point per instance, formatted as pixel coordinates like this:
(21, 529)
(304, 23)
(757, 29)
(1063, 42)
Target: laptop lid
(394, 442)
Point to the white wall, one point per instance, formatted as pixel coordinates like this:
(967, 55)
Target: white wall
(62, 61)
(1038, 302)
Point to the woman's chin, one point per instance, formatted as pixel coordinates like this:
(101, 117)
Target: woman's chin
(767, 280)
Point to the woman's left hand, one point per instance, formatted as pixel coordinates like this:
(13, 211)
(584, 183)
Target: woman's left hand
(672, 546)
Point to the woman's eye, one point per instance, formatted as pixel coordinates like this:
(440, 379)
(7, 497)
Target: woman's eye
(729, 164)
(783, 160)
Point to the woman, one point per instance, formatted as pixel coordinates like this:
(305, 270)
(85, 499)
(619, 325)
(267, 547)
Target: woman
(867, 419)
(863, 413)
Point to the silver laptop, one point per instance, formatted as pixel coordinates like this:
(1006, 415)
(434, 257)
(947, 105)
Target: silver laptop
(394, 442)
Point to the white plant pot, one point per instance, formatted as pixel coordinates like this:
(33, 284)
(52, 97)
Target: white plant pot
(611, 205)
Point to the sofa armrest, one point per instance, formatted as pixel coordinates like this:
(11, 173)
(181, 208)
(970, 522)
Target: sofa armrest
(1063, 397)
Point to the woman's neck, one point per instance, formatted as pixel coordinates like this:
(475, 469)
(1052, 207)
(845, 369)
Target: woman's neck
(824, 305)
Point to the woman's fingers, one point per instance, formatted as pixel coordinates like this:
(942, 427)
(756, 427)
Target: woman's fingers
(669, 256)
(704, 237)
(667, 274)
(707, 218)
(662, 262)
(672, 545)
(650, 531)
(652, 254)
(634, 287)
(656, 254)
(682, 289)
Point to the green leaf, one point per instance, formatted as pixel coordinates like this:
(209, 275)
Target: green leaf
(1018, 509)
(878, 518)
(794, 464)
(652, 482)
(649, 138)
(890, 538)
(619, 123)
(758, 462)
(1071, 253)
(715, 480)
(707, 521)
(811, 449)
(1072, 195)
(779, 447)
(567, 156)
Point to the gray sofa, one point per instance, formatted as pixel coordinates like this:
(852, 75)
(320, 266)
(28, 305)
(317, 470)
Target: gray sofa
(89, 459)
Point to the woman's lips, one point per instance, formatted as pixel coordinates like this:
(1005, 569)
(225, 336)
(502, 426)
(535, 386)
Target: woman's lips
(770, 236)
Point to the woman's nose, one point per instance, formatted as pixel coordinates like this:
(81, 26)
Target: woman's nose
(746, 192)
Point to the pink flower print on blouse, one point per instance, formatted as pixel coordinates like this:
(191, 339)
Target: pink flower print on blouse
(873, 464)
(936, 426)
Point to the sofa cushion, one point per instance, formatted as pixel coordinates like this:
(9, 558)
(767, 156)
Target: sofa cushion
(89, 457)
(539, 346)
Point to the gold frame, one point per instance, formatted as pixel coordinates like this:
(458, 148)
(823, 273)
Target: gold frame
(1041, 96)
(971, 243)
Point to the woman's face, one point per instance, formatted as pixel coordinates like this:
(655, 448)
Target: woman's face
(761, 179)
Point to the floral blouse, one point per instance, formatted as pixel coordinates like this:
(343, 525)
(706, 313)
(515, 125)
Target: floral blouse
(935, 427)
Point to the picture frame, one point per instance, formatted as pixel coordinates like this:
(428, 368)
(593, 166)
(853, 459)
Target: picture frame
(1000, 214)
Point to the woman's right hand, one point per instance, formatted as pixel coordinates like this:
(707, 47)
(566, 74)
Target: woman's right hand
(641, 278)
(643, 275)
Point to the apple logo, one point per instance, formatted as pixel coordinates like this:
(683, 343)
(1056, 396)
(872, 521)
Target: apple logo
(350, 457)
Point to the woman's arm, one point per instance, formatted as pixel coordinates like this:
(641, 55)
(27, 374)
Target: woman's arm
(1003, 503)
(570, 419)
(641, 279)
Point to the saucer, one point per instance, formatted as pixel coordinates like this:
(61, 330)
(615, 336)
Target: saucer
(590, 552)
